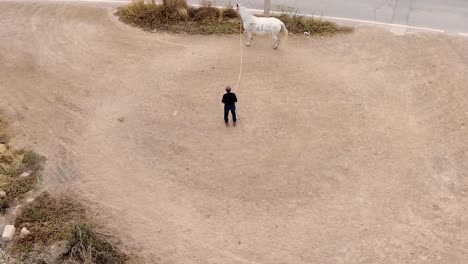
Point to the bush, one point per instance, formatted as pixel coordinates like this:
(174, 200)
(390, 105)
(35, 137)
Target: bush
(12, 164)
(3, 130)
(204, 14)
(229, 12)
(296, 23)
(177, 16)
(52, 219)
(49, 219)
(87, 246)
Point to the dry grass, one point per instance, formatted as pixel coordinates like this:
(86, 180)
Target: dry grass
(12, 164)
(51, 219)
(177, 17)
(297, 23)
(88, 246)
(4, 134)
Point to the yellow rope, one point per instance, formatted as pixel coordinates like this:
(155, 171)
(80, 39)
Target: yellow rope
(240, 75)
(241, 55)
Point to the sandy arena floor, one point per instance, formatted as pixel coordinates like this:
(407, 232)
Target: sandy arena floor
(351, 149)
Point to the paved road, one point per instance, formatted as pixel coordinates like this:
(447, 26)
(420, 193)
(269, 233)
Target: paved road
(447, 15)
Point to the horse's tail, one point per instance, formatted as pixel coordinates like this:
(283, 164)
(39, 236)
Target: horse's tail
(284, 31)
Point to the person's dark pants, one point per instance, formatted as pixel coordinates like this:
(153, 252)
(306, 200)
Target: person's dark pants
(231, 108)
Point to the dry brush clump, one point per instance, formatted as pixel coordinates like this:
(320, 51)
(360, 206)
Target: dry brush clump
(178, 16)
(86, 245)
(19, 173)
(4, 135)
(297, 23)
(51, 219)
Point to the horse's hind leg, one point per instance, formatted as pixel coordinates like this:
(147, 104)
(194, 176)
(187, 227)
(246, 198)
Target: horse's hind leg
(277, 42)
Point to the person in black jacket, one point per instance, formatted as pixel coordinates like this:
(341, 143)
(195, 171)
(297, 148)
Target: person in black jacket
(229, 101)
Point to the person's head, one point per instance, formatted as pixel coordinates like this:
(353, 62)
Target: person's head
(228, 89)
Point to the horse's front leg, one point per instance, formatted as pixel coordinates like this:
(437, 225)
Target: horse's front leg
(249, 38)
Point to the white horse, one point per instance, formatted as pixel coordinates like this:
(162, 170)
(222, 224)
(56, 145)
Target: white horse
(262, 26)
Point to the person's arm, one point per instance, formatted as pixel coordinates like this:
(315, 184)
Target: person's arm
(224, 99)
(235, 98)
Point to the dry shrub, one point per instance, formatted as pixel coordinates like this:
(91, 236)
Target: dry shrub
(147, 16)
(205, 14)
(49, 219)
(174, 17)
(177, 16)
(229, 12)
(12, 164)
(296, 23)
(88, 246)
(4, 135)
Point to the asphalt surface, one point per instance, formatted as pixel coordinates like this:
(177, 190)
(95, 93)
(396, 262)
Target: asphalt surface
(450, 16)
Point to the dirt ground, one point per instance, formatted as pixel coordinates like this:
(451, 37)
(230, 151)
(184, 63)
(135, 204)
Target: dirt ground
(351, 149)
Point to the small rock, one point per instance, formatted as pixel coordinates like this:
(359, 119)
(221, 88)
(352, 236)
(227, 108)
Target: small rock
(3, 148)
(307, 33)
(29, 200)
(25, 174)
(8, 233)
(24, 232)
(2, 194)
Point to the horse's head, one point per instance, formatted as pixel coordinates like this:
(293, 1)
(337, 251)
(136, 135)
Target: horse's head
(242, 12)
(240, 8)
